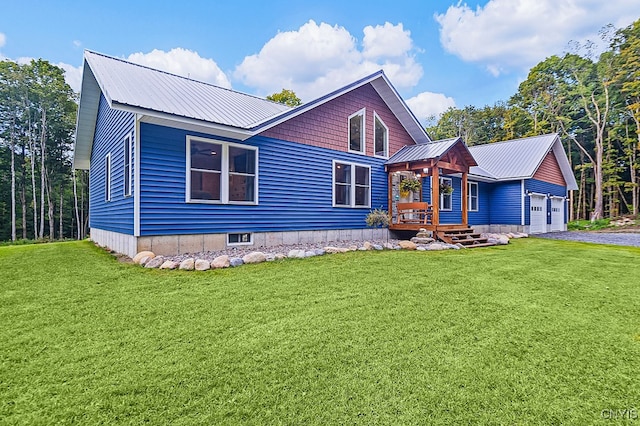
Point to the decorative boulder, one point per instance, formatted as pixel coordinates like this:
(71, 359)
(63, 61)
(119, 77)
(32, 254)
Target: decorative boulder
(332, 250)
(144, 260)
(138, 257)
(296, 254)
(407, 245)
(254, 257)
(202, 265)
(367, 245)
(388, 246)
(235, 261)
(169, 264)
(503, 240)
(422, 240)
(220, 262)
(188, 264)
(155, 262)
(435, 246)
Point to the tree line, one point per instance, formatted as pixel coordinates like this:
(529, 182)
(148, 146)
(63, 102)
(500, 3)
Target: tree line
(592, 103)
(40, 196)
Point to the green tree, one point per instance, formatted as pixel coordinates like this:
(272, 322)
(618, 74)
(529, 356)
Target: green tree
(287, 97)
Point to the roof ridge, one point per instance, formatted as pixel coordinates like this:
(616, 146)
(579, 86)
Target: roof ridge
(115, 58)
(512, 140)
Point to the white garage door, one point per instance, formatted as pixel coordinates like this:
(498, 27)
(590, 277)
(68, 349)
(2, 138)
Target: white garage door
(557, 214)
(538, 215)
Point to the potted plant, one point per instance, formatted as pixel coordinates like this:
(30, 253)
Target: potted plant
(377, 218)
(445, 188)
(409, 185)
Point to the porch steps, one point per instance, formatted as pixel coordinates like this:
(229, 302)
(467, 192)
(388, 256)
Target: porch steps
(463, 235)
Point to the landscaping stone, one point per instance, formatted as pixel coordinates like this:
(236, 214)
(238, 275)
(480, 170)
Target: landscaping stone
(296, 254)
(421, 248)
(235, 261)
(422, 240)
(143, 261)
(407, 245)
(138, 257)
(332, 250)
(169, 264)
(502, 240)
(155, 262)
(436, 246)
(310, 253)
(319, 252)
(377, 247)
(254, 257)
(353, 248)
(187, 264)
(220, 262)
(202, 265)
(280, 256)
(367, 245)
(388, 246)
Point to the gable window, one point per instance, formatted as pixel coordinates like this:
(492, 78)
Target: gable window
(351, 185)
(127, 166)
(472, 196)
(107, 177)
(356, 132)
(380, 137)
(221, 172)
(445, 199)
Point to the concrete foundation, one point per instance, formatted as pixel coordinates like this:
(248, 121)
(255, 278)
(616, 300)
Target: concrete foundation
(171, 245)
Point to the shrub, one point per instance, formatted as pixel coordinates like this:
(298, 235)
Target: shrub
(377, 218)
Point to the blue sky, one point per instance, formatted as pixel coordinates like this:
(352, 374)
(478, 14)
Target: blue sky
(437, 53)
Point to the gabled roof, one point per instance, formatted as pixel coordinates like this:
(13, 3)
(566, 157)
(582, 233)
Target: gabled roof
(425, 151)
(520, 158)
(164, 98)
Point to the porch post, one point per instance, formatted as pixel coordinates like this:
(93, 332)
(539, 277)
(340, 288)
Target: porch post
(435, 195)
(390, 196)
(465, 206)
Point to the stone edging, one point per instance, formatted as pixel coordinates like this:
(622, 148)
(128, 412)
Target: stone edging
(149, 260)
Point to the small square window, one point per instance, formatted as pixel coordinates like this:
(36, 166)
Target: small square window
(245, 238)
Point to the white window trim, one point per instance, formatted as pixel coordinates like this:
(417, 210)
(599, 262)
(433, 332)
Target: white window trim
(352, 186)
(224, 172)
(469, 197)
(127, 148)
(386, 142)
(441, 180)
(107, 177)
(249, 243)
(363, 132)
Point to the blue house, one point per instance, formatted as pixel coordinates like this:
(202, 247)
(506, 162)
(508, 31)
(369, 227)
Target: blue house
(176, 165)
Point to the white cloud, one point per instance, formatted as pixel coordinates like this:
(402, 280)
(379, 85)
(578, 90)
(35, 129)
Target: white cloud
(319, 58)
(427, 104)
(72, 75)
(517, 34)
(3, 39)
(184, 62)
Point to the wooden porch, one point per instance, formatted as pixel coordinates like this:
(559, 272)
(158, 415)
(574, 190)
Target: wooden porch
(431, 161)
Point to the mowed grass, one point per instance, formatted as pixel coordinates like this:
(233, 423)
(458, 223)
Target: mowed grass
(537, 332)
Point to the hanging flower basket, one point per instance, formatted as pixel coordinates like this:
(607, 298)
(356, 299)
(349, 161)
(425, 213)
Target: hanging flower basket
(409, 185)
(446, 189)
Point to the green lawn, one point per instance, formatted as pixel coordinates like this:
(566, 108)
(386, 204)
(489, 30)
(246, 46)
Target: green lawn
(537, 332)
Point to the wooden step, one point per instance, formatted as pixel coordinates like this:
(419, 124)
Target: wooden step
(463, 236)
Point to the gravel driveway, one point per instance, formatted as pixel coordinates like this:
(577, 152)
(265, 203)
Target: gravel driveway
(620, 239)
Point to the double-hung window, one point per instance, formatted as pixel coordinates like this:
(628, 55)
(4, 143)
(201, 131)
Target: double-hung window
(356, 132)
(445, 198)
(380, 137)
(127, 165)
(351, 185)
(221, 172)
(472, 196)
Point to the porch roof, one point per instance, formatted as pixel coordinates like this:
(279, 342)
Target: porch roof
(431, 150)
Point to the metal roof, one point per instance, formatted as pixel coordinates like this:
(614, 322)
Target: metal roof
(133, 85)
(424, 151)
(520, 158)
(167, 99)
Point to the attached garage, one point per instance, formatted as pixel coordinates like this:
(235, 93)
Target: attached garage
(557, 213)
(538, 214)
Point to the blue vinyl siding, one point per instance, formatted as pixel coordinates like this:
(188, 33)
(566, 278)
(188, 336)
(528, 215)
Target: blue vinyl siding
(446, 216)
(506, 203)
(482, 216)
(116, 215)
(294, 181)
(541, 187)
